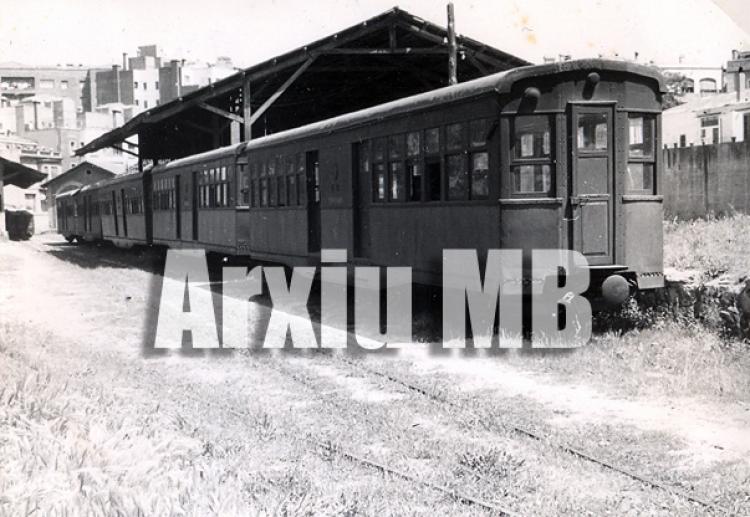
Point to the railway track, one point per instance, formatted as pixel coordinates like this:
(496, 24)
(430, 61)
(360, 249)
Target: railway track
(533, 435)
(442, 400)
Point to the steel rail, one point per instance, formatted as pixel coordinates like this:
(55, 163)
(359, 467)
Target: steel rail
(538, 437)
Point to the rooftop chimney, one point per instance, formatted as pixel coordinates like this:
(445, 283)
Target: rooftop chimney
(124, 60)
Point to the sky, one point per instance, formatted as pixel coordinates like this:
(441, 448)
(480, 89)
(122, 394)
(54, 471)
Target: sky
(96, 32)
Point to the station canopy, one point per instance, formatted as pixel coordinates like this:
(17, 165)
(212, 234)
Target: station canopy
(390, 56)
(14, 173)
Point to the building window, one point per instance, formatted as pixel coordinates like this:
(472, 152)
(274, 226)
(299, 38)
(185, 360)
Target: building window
(531, 156)
(63, 85)
(46, 84)
(710, 129)
(156, 85)
(683, 141)
(145, 104)
(641, 154)
(135, 85)
(707, 85)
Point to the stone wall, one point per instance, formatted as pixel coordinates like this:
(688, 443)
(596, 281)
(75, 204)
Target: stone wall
(710, 179)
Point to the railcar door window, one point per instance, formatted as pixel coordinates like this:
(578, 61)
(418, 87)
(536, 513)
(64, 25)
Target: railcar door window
(641, 154)
(592, 132)
(531, 157)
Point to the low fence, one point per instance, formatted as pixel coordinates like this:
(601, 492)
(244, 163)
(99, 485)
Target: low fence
(705, 179)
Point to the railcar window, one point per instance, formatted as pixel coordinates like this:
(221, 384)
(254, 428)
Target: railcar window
(163, 197)
(531, 157)
(395, 147)
(379, 150)
(434, 182)
(264, 192)
(432, 141)
(531, 137)
(641, 154)
(480, 167)
(397, 181)
(640, 178)
(378, 190)
(641, 135)
(478, 132)
(301, 179)
(532, 179)
(413, 145)
(455, 137)
(243, 185)
(379, 176)
(282, 190)
(458, 177)
(255, 186)
(272, 181)
(291, 189)
(414, 170)
(592, 132)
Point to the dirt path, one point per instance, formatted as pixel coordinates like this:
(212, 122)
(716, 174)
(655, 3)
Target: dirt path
(79, 313)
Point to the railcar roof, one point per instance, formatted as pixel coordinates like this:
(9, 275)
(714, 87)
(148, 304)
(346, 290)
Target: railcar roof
(501, 82)
(122, 178)
(214, 154)
(68, 193)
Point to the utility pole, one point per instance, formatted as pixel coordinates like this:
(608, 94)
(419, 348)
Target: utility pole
(452, 47)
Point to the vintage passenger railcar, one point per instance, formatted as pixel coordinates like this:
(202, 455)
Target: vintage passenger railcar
(78, 214)
(68, 221)
(124, 218)
(562, 155)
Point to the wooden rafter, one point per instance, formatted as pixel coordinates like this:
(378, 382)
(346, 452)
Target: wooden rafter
(123, 150)
(278, 93)
(386, 51)
(199, 127)
(222, 113)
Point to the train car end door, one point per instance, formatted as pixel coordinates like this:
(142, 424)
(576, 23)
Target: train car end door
(591, 191)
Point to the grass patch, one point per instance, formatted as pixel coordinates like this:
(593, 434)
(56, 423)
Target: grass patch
(714, 246)
(660, 355)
